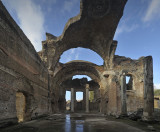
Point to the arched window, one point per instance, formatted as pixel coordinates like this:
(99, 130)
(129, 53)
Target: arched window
(81, 54)
(129, 82)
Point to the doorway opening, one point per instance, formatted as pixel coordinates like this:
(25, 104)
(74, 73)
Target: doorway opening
(20, 106)
(79, 96)
(79, 100)
(68, 100)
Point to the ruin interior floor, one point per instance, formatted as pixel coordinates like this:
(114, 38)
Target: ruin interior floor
(79, 122)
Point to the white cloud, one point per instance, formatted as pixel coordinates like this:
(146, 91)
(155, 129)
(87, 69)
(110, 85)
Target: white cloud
(77, 56)
(31, 20)
(72, 54)
(125, 28)
(153, 11)
(156, 86)
(72, 51)
(69, 58)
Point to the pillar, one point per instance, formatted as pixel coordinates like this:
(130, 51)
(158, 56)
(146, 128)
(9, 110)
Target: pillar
(75, 101)
(148, 89)
(84, 99)
(123, 95)
(87, 98)
(72, 99)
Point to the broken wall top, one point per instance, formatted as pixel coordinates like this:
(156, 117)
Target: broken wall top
(93, 28)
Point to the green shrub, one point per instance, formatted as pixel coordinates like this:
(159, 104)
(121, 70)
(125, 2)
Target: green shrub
(157, 92)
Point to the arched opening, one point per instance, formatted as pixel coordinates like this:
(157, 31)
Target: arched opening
(75, 75)
(76, 93)
(129, 82)
(81, 54)
(20, 106)
(130, 94)
(79, 96)
(79, 100)
(83, 79)
(81, 76)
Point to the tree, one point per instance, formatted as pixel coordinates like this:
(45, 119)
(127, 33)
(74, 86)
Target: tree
(157, 92)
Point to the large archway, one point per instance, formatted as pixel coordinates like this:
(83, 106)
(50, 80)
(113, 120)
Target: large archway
(86, 30)
(89, 30)
(63, 78)
(76, 86)
(77, 68)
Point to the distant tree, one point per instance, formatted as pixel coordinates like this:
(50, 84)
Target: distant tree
(157, 92)
(91, 96)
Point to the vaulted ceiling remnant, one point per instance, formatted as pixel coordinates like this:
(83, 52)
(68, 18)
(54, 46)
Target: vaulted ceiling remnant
(93, 28)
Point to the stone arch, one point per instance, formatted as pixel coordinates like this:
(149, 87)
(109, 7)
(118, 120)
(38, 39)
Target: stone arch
(77, 67)
(68, 70)
(80, 85)
(85, 30)
(24, 90)
(59, 50)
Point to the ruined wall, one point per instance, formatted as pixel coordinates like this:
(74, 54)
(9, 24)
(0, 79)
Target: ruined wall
(134, 68)
(21, 70)
(87, 30)
(111, 86)
(148, 89)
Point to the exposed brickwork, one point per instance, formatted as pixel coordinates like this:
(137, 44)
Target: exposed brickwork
(42, 80)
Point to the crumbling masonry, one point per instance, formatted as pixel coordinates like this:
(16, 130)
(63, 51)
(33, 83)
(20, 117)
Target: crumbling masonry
(34, 84)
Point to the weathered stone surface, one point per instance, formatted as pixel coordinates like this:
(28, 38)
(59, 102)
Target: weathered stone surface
(21, 70)
(43, 80)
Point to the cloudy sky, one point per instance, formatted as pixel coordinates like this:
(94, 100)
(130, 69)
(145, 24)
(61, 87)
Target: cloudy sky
(138, 33)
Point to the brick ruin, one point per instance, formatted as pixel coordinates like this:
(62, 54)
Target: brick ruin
(34, 84)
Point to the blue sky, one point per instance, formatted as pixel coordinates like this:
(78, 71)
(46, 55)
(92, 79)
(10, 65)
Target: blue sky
(138, 32)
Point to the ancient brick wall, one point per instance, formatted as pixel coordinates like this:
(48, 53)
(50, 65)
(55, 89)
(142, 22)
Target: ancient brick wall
(21, 70)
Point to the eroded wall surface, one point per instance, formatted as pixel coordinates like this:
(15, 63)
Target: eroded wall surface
(89, 30)
(21, 70)
(111, 85)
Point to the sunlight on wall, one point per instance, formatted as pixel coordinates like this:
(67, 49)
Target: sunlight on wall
(20, 106)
